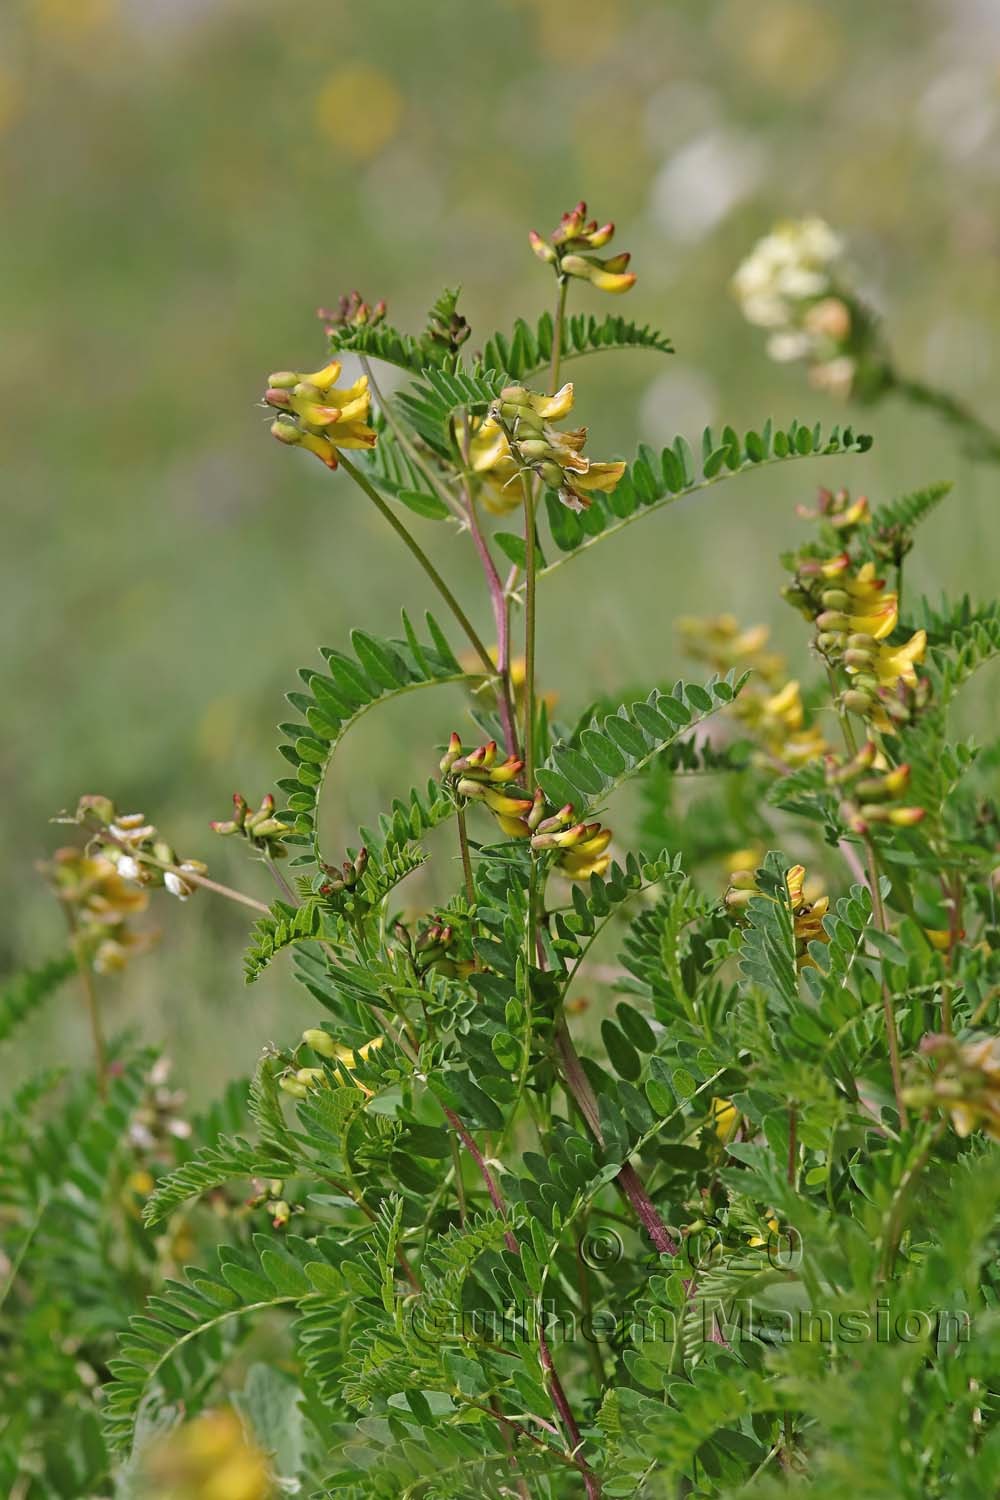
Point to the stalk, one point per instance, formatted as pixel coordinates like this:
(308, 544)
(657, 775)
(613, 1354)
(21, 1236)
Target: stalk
(878, 909)
(558, 1393)
(530, 584)
(983, 441)
(578, 1085)
(498, 602)
(411, 543)
(91, 1002)
(557, 335)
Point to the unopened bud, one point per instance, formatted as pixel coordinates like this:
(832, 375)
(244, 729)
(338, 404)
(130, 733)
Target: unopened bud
(833, 619)
(320, 1041)
(100, 809)
(537, 812)
(541, 247)
(452, 753)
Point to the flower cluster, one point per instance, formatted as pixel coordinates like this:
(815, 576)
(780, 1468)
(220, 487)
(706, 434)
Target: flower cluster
(436, 946)
(855, 613)
(770, 707)
(569, 250)
(556, 457)
(479, 776)
(209, 1458)
(868, 799)
(351, 312)
(316, 415)
(102, 904)
(808, 908)
(297, 1081)
(158, 1118)
(262, 830)
(790, 284)
(137, 850)
(965, 1082)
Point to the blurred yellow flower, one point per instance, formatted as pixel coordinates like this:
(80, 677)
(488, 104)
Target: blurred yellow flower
(72, 18)
(359, 110)
(207, 1459)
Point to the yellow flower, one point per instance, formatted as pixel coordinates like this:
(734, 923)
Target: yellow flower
(583, 849)
(895, 664)
(723, 1118)
(490, 457)
(207, 1459)
(723, 644)
(359, 110)
(555, 456)
(965, 1083)
(566, 246)
(807, 917)
(316, 415)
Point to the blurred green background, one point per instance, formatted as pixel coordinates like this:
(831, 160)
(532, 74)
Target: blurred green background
(183, 181)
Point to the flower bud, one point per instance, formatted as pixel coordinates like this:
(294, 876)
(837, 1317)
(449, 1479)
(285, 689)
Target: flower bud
(452, 754)
(541, 247)
(833, 619)
(508, 770)
(857, 702)
(320, 1041)
(100, 809)
(906, 817)
(513, 828)
(537, 812)
(535, 448)
(557, 820)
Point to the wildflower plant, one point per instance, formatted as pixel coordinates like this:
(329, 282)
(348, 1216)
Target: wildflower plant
(603, 1173)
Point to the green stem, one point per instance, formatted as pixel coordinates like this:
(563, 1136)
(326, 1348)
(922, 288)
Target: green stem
(530, 584)
(878, 909)
(91, 1002)
(983, 442)
(411, 543)
(557, 334)
(463, 844)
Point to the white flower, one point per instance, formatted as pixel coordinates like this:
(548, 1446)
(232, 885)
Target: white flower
(785, 347)
(176, 886)
(835, 376)
(128, 868)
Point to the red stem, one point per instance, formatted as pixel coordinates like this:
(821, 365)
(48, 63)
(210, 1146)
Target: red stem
(559, 1398)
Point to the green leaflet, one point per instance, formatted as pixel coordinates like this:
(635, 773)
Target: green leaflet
(527, 351)
(655, 480)
(211, 1166)
(26, 992)
(618, 746)
(338, 698)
